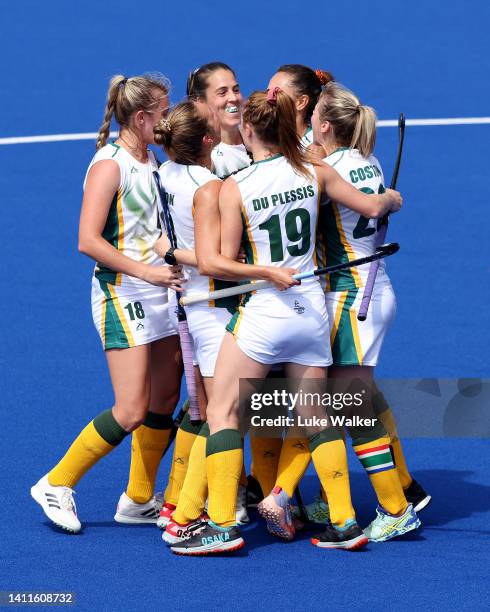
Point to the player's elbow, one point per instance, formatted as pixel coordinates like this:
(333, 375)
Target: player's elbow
(85, 244)
(206, 266)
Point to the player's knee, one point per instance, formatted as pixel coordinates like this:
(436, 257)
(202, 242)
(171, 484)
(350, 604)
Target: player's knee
(222, 414)
(132, 415)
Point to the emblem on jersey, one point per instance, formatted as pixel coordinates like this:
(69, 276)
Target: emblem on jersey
(140, 326)
(219, 153)
(133, 169)
(298, 308)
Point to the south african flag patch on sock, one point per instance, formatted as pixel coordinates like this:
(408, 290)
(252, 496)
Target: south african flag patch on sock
(376, 459)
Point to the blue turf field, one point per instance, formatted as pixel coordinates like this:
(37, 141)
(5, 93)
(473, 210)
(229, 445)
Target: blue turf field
(428, 59)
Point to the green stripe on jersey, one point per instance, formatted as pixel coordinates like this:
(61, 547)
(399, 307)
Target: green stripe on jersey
(335, 252)
(344, 347)
(111, 234)
(114, 334)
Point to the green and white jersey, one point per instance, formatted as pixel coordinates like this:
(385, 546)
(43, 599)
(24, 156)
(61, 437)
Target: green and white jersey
(279, 211)
(228, 159)
(344, 235)
(181, 183)
(132, 223)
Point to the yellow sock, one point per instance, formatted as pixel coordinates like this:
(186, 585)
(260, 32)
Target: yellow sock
(293, 461)
(265, 461)
(376, 459)
(184, 440)
(195, 488)
(98, 438)
(147, 446)
(224, 460)
(388, 420)
(330, 459)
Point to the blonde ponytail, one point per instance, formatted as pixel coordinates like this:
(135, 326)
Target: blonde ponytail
(364, 136)
(353, 124)
(128, 95)
(116, 82)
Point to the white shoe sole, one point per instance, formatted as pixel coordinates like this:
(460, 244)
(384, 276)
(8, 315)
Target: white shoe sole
(38, 496)
(133, 520)
(353, 544)
(423, 503)
(212, 549)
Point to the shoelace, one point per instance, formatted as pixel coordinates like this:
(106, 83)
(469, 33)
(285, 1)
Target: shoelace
(67, 502)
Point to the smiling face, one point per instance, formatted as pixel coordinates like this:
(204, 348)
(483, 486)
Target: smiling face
(224, 97)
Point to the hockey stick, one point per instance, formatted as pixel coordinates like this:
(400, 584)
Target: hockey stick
(380, 238)
(384, 250)
(185, 337)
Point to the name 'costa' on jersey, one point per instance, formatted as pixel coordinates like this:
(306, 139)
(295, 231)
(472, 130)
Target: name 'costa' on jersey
(343, 234)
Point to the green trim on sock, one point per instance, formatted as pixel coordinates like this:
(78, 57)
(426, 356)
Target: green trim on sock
(154, 420)
(187, 426)
(327, 435)
(108, 428)
(204, 431)
(224, 440)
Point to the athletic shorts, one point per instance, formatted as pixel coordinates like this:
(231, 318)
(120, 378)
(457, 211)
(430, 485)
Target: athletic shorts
(130, 315)
(356, 342)
(207, 326)
(284, 327)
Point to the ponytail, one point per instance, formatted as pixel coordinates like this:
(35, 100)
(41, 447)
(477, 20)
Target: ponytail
(116, 82)
(273, 118)
(181, 133)
(128, 95)
(353, 124)
(364, 136)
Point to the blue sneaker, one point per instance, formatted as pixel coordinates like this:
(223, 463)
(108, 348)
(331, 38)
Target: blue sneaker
(386, 526)
(211, 540)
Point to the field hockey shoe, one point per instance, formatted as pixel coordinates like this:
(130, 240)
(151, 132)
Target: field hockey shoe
(349, 537)
(254, 492)
(165, 515)
(416, 496)
(175, 533)
(386, 526)
(276, 511)
(212, 540)
(316, 512)
(58, 504)
(131, 513)
(241, 506)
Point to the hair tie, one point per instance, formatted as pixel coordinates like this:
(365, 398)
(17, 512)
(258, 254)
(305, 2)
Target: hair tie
(272, 96)
(123, 83)
(322, 77)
